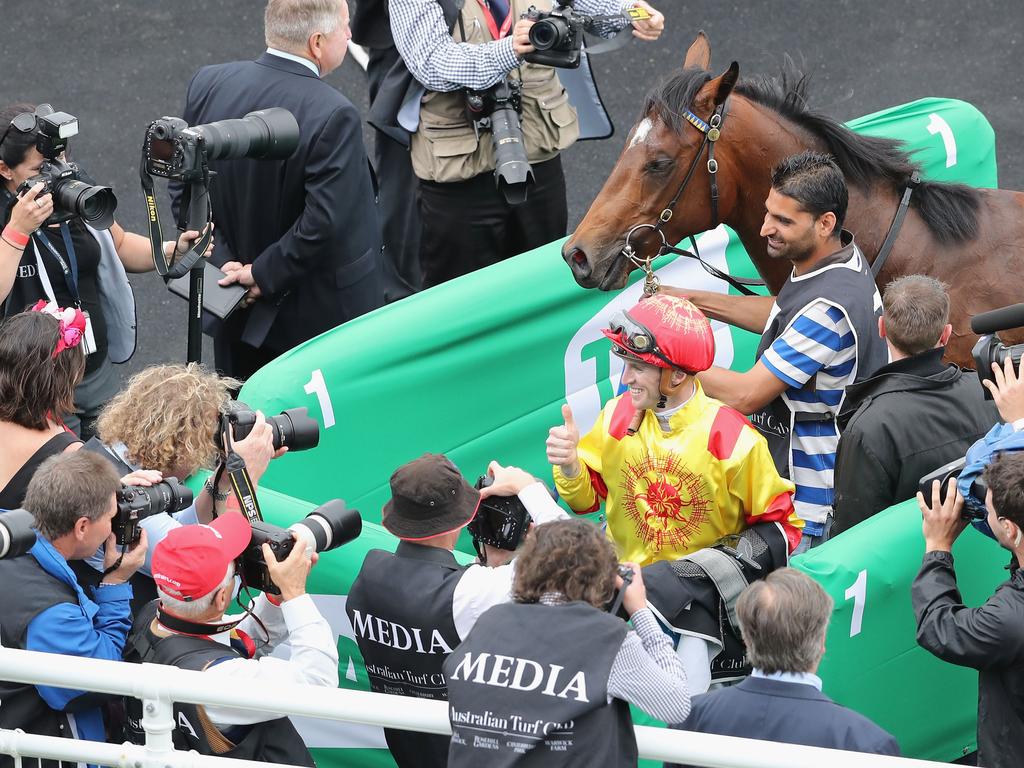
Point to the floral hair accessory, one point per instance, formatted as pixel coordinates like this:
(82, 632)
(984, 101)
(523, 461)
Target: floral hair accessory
(71, 321)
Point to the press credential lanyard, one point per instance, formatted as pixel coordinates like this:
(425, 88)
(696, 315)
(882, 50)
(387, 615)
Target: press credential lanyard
(70, 271)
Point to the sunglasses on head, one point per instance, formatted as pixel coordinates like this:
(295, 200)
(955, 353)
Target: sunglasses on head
(26, 121)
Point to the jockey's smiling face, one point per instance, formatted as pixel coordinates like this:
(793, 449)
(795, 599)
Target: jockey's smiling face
(644, 382)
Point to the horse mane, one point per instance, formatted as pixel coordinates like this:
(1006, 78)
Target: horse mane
(949, 210)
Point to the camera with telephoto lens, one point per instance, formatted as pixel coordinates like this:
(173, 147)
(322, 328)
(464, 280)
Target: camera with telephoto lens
(988, 350)
(557, 35)
(325, 528)
(293, 428)
(135, 503)
(974, 503)
(174, 150)
(497, 111)
(64, 180)
(17, 533)
(500, 521)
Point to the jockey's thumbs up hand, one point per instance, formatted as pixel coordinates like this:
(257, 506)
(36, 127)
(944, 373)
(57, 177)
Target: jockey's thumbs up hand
(562, 442)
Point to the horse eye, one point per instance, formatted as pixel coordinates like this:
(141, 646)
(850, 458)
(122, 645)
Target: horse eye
(660, 166)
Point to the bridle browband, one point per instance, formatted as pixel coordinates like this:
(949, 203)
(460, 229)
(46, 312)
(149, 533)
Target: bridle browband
(712, 132)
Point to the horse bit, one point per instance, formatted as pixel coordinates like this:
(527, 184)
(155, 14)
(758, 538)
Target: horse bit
(712, 131)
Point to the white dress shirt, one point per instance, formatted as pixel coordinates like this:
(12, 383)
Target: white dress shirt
(298, 59)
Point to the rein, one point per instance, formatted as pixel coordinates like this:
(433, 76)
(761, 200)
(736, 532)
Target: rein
(712, 132)
(896, 226)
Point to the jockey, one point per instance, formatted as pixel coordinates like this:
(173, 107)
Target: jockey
(676, 469)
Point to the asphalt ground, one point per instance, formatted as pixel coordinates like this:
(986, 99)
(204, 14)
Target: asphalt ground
(119, 65)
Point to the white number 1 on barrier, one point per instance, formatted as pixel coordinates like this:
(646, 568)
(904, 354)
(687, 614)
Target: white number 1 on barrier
(937, 125)
(317, 386)
(858, 592)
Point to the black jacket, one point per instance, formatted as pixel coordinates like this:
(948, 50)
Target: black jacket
(308, 224)
(989, 639)
(911, 417)
(790, 713)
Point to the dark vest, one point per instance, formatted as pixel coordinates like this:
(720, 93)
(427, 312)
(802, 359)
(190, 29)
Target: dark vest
(845, 288)
(400, 606)
(28, 591)
(272, 741)
(523, 692)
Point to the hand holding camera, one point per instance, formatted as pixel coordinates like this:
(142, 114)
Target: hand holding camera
(506, 481)
(635, 596)
(130, 561)
(943, 520)
(1007, 390)
(257, 447)
(32, 209)
(289, 575)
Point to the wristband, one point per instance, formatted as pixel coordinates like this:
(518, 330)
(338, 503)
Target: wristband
(15, 247)
(212, 490)
(14, 236)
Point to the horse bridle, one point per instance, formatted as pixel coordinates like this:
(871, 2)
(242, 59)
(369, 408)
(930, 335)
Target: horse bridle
(712, 132)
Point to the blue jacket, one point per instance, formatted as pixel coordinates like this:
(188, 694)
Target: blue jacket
(95, 628)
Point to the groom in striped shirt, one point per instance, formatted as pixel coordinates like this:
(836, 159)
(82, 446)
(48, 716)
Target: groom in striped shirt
(817, 335)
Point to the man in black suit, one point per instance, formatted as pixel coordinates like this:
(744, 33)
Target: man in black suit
(784, 618)
(302, 234)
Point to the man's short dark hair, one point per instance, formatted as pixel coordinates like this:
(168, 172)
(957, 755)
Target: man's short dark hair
(916, 309)
(814, 180)
(783, 618)
(1005, 478)
(69, 486)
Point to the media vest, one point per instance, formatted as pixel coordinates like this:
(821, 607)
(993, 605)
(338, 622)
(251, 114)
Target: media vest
(272, 741)
(850, 290)
(29, 590)
(529, 687)
(446, 148)
(400, 606)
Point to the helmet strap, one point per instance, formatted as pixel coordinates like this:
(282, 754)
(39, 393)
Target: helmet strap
(666, 388)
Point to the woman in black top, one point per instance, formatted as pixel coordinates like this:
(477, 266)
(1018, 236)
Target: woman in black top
(38, 376)
(71, 263)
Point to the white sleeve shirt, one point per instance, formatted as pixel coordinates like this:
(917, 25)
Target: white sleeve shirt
(481, 587)
(313, 661)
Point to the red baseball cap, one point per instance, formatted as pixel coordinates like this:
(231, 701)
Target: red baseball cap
(191, 561)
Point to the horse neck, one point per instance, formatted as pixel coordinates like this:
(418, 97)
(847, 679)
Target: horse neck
(763, 138)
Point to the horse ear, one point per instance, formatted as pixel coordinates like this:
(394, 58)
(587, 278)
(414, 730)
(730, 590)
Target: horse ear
(722, 85)
(699, 54)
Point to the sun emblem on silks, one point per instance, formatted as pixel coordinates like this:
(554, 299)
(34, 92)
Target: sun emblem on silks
(664, 500)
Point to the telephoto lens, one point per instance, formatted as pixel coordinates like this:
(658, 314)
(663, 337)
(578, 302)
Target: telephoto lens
(16, 533)
(329, 526)
(94, 204)
(267, 134)
(293, 428)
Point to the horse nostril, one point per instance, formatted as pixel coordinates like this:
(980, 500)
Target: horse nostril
(579, 257)
(576, 258)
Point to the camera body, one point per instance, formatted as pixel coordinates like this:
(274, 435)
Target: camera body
(135, 503)
(557, 36)
(497, 111)
(174, 150)
(974, 504)
(72, 196)
(988, 350)
(325, 528)
(500, 521)
(293, 428)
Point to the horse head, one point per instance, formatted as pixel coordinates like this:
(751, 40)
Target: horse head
(665, 152)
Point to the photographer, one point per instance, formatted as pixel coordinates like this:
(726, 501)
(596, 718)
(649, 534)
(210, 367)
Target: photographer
(72, 263)
(194, 569)
(990, 638)
(420, 591)
(467, 221)
(42, 608)
(546, 679)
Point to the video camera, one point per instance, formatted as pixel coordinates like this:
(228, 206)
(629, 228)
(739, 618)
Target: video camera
(974, 503)
(989, 349)
(135, 503)
(557, 35)
(497, 111)
(325, 528)
(64, 180)
(500, 521)
(293, 428)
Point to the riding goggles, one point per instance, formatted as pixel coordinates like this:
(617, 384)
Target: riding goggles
(26, 121)
(634, 338)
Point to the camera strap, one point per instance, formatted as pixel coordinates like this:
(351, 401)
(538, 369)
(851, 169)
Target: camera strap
(156, 237)
(186, 627)
(238, 475)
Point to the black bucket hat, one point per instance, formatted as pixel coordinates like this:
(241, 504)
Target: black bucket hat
(429, 497)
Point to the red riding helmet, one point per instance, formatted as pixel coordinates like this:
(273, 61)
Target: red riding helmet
(664, 331)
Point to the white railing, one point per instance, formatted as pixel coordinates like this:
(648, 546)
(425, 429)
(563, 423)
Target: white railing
(158, 686)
